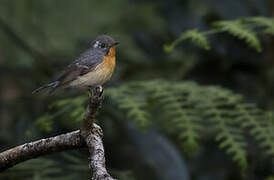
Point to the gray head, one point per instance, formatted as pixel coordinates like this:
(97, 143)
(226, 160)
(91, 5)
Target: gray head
(104, 43)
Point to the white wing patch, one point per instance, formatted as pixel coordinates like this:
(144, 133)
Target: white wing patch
(81, 66)
(96, 44)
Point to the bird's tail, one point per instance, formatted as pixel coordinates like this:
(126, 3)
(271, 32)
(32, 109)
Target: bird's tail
(51, 86)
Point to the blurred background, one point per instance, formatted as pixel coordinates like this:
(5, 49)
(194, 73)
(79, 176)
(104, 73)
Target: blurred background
(39, 38)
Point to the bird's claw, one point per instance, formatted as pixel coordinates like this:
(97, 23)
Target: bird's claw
(99, 90)
(96, 91)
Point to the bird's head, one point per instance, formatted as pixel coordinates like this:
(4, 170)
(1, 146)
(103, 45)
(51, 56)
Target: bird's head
(104, 43)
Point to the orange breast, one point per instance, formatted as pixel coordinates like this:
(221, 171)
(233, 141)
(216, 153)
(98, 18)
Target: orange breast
(107, 66)
(111, 52)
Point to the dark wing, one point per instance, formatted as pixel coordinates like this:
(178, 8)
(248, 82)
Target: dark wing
(87, 62)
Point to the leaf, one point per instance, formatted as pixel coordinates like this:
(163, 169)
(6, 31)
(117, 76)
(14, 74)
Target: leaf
(196, 37)
(240, 30)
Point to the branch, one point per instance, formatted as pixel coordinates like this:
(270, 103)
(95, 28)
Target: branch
(97, 155)
(90, 136)
(41, 147)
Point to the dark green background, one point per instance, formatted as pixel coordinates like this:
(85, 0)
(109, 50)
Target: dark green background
(39, 38)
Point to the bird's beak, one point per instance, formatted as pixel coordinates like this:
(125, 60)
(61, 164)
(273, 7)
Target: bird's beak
(115, 43)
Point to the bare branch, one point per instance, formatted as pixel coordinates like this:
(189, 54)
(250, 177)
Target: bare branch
(90, 136)
(41, 147)
(93, 134)
(97, 155)
(94, 103)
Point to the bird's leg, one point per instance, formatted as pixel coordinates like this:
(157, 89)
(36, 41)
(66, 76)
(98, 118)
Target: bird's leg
(98, 90)
(90, 91)
(101, 90)
(98, 93)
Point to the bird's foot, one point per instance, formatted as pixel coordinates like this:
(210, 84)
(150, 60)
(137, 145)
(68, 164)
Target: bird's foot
(100, 90)
(96, 91)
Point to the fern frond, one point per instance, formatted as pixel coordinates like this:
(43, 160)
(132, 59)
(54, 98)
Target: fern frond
(258, 124)
(263, 22)
(134, 105)
(219, 111)
(196, 37)
(45, 122)
(191, 112)
(73, 105)
(240, 30)
(246, 29)
(179, 112)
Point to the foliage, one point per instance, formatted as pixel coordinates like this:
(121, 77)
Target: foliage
(71, 107)
(270, 178)
(57, 31)
(134, 104)
(46, 168)
(242, 28)
(195, 37)
(49, 169)
(262, 22)
(192, 112)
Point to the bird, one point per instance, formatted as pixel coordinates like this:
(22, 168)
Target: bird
(91, 69)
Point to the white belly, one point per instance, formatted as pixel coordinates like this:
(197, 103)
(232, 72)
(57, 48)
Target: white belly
(94, 78)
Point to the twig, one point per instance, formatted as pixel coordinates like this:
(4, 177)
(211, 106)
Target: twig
(90, 135)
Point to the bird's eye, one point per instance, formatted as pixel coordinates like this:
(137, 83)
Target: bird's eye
(103, 45)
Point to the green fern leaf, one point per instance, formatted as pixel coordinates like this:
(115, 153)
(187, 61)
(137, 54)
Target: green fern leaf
(188, 112)
(133, 104)
(216, 109)
(240, 30)
(263, 22)
(196, 37)
(258, 125)
(178, 110)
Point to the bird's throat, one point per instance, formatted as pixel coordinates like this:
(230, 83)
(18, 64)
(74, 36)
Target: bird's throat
(111, 52)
